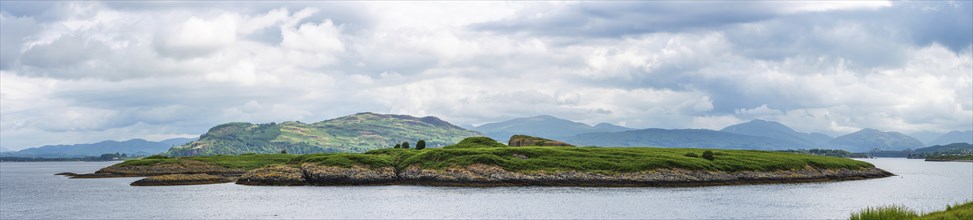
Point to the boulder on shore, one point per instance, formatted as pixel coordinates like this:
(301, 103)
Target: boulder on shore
(524, 140)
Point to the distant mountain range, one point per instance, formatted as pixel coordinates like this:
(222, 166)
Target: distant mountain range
(680, 138)
(367, 131)
(130, 147)
(542, 126)
(354, 133)
(954, 137)
(756, 134)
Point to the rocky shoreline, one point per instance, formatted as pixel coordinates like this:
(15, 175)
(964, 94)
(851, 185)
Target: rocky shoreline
(487, 175)
(181, 179)
(479, 175)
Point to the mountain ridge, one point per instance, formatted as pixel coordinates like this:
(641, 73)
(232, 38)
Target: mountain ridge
(867, 139)
(953, 137)
(773, 129)
(544, 126)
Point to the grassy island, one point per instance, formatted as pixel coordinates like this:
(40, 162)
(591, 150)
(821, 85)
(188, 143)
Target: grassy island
(966, 158)
(482, 161)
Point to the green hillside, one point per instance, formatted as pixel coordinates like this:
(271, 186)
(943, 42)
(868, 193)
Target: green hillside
(354, 133)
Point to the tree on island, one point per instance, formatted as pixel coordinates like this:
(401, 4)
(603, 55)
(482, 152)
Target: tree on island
(398, 146)
(405, 145)
(708, 155)
(421, 144)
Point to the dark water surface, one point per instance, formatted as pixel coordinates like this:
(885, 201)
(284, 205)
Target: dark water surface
(30, 191)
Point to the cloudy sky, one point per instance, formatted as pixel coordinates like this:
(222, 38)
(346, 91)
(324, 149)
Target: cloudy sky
(76, 72)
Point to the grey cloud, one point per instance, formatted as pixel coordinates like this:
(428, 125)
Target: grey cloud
(946, 23)
(66, 51)
(619, 19)
(949, 23)
(342, 13)
(13, 33)
(43, 11)
(664, 63)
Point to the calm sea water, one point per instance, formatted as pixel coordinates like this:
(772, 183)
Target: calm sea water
(30, 191)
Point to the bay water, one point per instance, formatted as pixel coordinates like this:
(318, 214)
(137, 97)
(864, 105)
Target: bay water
(29, 190)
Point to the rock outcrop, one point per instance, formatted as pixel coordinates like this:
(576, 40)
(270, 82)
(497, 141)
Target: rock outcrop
(316, 174)
(275, 175)
(524, 140)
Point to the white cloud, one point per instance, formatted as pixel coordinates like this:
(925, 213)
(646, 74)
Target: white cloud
(197, 36)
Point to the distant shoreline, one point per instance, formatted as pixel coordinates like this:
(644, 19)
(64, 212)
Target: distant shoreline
(967, 161)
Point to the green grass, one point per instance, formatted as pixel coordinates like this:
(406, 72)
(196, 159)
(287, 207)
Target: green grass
(346, 160)
(147, 162)
(247, 161)
(622, 159)
(885, 213)
(961, 211)
(476, 142)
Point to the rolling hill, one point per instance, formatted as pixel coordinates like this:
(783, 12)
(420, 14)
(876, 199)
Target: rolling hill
(131, 147)
(542, 126)
(354, 133)
(867, 139)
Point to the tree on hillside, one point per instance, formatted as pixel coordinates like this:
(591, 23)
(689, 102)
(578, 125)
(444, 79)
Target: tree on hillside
(284, 151)
(421, 144)
(405, 145)
(398, 146)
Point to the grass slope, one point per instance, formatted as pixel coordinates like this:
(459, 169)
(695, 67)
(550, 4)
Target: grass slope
(961, 211)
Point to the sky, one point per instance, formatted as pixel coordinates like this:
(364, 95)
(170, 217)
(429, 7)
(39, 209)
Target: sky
(82, 72)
